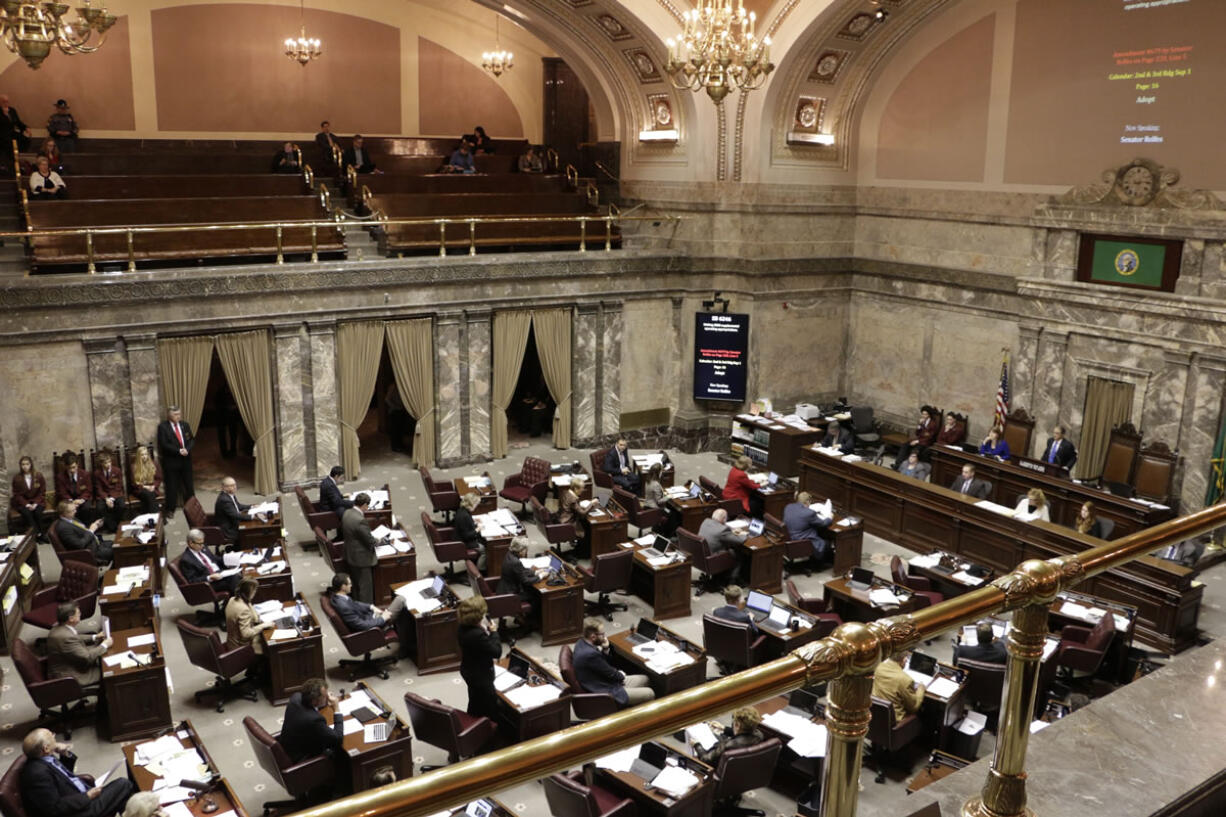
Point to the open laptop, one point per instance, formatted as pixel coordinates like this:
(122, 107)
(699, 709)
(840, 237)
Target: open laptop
(695, 490)
(644, 631)
(555, 564)
(920, 664)
(759, 604)
(651, 760)
(772, 479)
(756, 526)
(436, 587)
(518, 665)
(778, 620)
(802, 703)
(861, 578)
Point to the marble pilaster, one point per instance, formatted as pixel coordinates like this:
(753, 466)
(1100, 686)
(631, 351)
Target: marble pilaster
(1048, 384)
(1164, 402)
(1061, 255)
(1202, 416)
(610, 368)
(1022, 374)
(144, 387)
(106, 361)
(583, 385)
(324, 396)
(1190, 268)
(1213, 270)
(449, 386)
(289, 382)
(479, 380)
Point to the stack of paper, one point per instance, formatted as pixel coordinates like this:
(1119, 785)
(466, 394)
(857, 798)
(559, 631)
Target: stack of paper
(645, 461)
(700, 735)
(926, 560)
(145, 519)
(562, 480)
(504, 679)
(384, 550)
(267, 508)
(943, 687)
(674, 780)
(989, 505)
(787, 723)
(271, 567)
(919, 677)
(823, 509)
(525, 696)
(829, 452)
(153, 750)
(355, 701)
(619, 761)
(477, 482)
(677, 492)
(966, 578)
(882, 597)
(146, 537)
(535, 562)
(268, 606)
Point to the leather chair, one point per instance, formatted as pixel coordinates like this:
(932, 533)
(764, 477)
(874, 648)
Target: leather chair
(863, 427)
(569, 796)
(587, 706)
(332, 549)
(610, 572)
(601, 477)
(1082, 649)
(78, 582)
(444, 498)
(531, 481)
(315, 517)
(205, 650)
(732, 506)
(197, 594)
(637, 515)
(920, 586)
(197, 518)
(556, 533)
(447, 548)
(731, 644)
(500, 605)
(985, 684)
(738, 771)
(826, 620)
(713, 568)
(47, 693)
(888, 734)
(301, 780)
(1106, 527)
(10, 789)
(795, 551)
(65, 555)
(363, 643)
(460, 734)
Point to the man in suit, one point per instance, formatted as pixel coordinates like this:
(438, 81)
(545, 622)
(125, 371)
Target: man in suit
(11, 126)
(74, 485)
(108, 492)
(596, 674)
(358, 156)
(988, 649)
(360, 548)
(324, 140)
(49, 788)
(175, 443)
(914, 468)
(198, 565)
(719, 536)
(802, 522)
(969, 485)
(305, 734)
(330, 497)
(518, 579)
(73, 650)
(359, 616)
(1058, 450)
(732, 610)
(839, 437)
(76, 536)
(617, 465)
(228, 511)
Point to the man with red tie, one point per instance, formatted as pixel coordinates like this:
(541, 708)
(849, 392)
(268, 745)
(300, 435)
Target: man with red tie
(175, 442)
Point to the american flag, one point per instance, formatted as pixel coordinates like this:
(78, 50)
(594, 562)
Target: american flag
(1002, 396)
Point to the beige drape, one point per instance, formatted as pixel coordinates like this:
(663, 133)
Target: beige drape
(184, 366)
(245, 360)
(359, 346)
(510, 339)
(1108, 403)
(410, 344)
(553, 347)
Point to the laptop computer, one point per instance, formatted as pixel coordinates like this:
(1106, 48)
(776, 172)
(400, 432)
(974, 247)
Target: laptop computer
(651, 760)
(644, 631)
(979, 571)
(923, 664)
(777, 621)
(756, 526)
(434, 589)
(861, 578)
(555, 564)
(759, 604)
(801, 702)
(695, 490)
(518, 665)
(652, 553)
(772, 479)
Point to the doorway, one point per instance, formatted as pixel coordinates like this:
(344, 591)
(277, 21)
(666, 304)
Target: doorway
(223, 445)
(569, 119)
(388, 427)
(1108, 403)
(530, 415)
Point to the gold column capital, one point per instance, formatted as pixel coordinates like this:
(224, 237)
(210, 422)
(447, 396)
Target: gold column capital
(856, 649)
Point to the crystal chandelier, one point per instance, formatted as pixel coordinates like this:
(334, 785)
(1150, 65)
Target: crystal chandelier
(496, 61)
(30, 29)
(718, 51)
(302, 49)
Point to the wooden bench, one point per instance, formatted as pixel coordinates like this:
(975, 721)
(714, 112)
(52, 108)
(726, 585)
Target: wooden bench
(188, 187)
(165, 164)
(386, 184)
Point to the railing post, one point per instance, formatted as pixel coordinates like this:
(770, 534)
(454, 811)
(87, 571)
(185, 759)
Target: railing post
(472, 236)
(89, 250)
(442, 238)
(847, 716)
(280, 256)
(608, 233)
(131, 254)
(314, 243)
(583, 234)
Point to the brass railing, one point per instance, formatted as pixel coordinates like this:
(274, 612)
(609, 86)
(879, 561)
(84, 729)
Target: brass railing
(609, 219)
(847, 658)
(551, 159)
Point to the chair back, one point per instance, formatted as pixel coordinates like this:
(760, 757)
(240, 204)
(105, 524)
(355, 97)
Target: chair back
(426, 480)
(985, 683)
(10, 789)
(693, 545)
(195, 513)
(774, 528)
(1101, 634)
(861, 419)
(727, 641)
(1019, 426)
(569, 798)
(1119, 489)
(566, 665)
(1106, 527)
(65, 555)
(78, 582)
(898, 573)
(1155, 472)
(1121, 458)
(882, 723)
(540, 513)
(749, 767)
(628, 501)
(338, 623)
(535, 471)
(434, 722)
(611, 571)
(202, 646)
(31, 668)
(711, 487)
(335, 551)
(194, 593)
(475, 579)
(270, 754)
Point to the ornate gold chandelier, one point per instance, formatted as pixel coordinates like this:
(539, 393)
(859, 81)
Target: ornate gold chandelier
(718, 51)
(30, 29)
(302, 49)
(498, 60)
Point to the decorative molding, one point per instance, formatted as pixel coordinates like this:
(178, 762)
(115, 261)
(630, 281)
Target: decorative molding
(643, 65)
(660, 112)
(1140, 183)
(857, 27)
(829, 65)
(612, 26)
(721, 158)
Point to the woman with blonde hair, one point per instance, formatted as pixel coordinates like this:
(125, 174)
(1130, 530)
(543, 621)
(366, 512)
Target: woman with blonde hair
(1033, 506)
(466, 527)
(1088, 521)
(569, 509)
(743, 732)
(480, 647)
(146, 479)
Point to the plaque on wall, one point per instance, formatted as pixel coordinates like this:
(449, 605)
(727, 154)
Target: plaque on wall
(1124, 261)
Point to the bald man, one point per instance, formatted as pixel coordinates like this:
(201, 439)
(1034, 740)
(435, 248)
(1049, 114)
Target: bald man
(228, 511)
(49, 788)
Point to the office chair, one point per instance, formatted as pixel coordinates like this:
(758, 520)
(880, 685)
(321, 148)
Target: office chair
(985, 685)
(48, 693)
(556, 533)
(918, 585)
(1082, 649)
(889, 734)
(531, 481)
(444, 498)
(327, 520)
(78, 583)
(586, 705)
(460, 734)
(569, 796)
(738, 771)
(447, 548)
(731, 643)
(363, 643)
(826, 620)
(713, 568)
(637, 515)
(306, 781)
(205, 650)
(500, 605)
(610, 572)
(197, 594)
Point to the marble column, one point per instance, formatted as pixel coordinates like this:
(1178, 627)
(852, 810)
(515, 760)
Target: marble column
(1160, 417)
(109, 395)
(324, 395)
(1213, 270)
(609, 368)
(449, 330)
(478, 347)
(1048, 384)
(288, 383)
(1202, 417)
(583, 384)
(1191, 265)
(145, 388)
(1061, 255)
(1023, 364)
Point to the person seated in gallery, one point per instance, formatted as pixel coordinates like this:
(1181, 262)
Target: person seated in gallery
(358, 156)
(994, 445)
(952, 433)
(482, 144)
(62, 125)
(530, 161)
(74, 535)
(839, 437)
(987, 648)
(325, 140)
(146, 479)
(108, 492)
(1088, 521)
(914, 468)
(286, 159)
(29, 497)
(923, 436)
(45, 183)
(52, 151)
(75, 486)
(461, 160)
(1033, 506)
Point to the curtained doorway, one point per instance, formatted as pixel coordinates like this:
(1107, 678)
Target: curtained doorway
(530, 415)
(223, 445)
(388, 427)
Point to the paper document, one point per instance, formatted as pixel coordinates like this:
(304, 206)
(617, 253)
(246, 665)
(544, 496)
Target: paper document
(146, 537)
(829, 452)
(659, 561)
(647, 540)
(267, 606)
(279, 634)
(1049, 647)
(645, 461)
(700, 735)
(926, 560)
(10, 598)
(142, 640)
(355, 701)
(401, 544)
(230, 571)
(105, 776)
(674, 780)
(619, 761)
(943, 687)
(919, 677)
(739, 524)
(476, 482)
(823, 509)
(787, 723)
(881, 597)
(562, 481)
(177, 810)
(145, 519)
(1036, 726)
(270, 508)
(811, 742)
(988, 505)
(381, 532)
(351, 726)
(527, 697)
(157, 749)
(271, 567)
(504, 679)
(972, 723)
(535, 562)
(114, 589)
(966, 578)
(384, 550)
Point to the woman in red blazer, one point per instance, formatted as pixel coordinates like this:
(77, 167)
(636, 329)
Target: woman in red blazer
(740, 486)
(29, 497)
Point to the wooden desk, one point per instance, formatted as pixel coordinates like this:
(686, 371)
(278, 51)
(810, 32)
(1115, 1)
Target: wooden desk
(551, 716)
(666, 588)
(940, 713)
(561, 610)
(130, 609)
(496, 546)
(137, 698)
(925, 517)
(291, 661)
(486, 490)
(278, 584)
(765, 563)
(692, 511)
(668, 473)
(392, 570)
(771, 443)
(792, 772)
(949, 577)
(556, 490)
(853, 605)
(665, 683)
(603, 530)
(436, 645)
(775, 499)
(129, 551)
(940, 766)
(780, 644)
(379, 512)
(254, 534)
(367, 757)
(222, 795)
(16, 592)
(697, 802)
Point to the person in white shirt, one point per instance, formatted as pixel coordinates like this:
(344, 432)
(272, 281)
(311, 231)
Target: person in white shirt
(1032, 506)
(45, 183)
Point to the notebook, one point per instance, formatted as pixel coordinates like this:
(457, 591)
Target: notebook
(861, 578)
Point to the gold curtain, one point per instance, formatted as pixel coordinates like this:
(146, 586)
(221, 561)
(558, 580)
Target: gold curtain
(553, 346)
(358, 347)
(1108, 403)
(246, 362)
(510, 336)
(183, 364)
(410, 345)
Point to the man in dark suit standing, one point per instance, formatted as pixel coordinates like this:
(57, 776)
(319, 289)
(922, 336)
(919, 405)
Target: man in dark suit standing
(75, 536)
(198, 565)
(330, 497)
(802, 522)
(49, 788)
(360, 546)
(324, 140)
(732, 610)
(228, 511)
(988, 649)
(175, 443)
(969, 485)
(839, 437)
(596, 674)
(617, 465)
(1058, 450)
(305, 734)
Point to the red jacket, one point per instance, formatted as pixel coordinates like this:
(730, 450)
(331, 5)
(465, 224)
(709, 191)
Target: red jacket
(925, 434)
(36, 494)
(157, 480)
(739, 486)
(109, 484)
(63, 493)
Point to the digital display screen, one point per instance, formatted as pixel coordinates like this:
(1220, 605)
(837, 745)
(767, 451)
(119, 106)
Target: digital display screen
(721, 349)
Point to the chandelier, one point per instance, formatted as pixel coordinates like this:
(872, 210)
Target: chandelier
(496, 61)
(30, 29)
(302, 49)
(718, 51)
